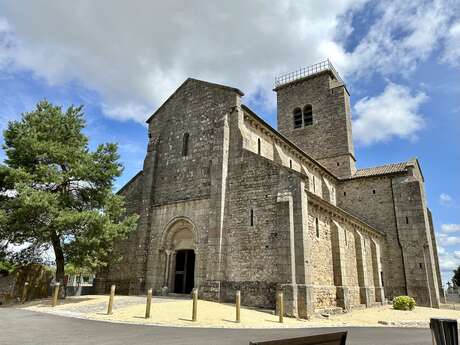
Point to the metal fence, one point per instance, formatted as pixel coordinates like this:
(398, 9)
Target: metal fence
(307, 71)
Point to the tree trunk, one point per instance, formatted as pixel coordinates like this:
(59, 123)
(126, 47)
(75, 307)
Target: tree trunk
(59, 254)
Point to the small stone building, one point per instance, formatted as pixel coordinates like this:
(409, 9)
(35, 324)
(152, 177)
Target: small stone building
(228, 203)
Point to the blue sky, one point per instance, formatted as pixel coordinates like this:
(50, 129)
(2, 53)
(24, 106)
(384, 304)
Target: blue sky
(400, 60)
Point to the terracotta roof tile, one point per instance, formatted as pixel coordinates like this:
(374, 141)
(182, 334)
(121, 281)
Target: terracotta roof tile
(381, 170)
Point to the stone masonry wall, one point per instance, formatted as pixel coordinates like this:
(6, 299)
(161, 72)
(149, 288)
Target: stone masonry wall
(408, 258)
(377, 208)
(120, 272)
(263, 214)
(170, 176)
(197, 109)
(324, 290)
(257, 254)
(435, 253)
(322, 267)
(414, 232)
(256, 136)
(329, 137)
(163, 217)
(351, 280)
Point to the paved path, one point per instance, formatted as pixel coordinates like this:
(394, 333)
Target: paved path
(22, 327)
(124, 301)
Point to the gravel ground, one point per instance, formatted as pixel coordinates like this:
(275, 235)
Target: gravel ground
(177, 312)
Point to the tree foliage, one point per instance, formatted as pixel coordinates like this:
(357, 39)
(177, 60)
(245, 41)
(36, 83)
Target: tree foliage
(57, 193)
(456, 277)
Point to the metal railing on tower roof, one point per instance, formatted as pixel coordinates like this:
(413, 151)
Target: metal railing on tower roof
(307, 71)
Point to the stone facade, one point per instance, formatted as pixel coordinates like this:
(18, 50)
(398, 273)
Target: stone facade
(228, 203)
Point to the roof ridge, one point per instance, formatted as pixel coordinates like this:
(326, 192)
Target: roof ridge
(239, 92)
(389, 168)
(384, 165)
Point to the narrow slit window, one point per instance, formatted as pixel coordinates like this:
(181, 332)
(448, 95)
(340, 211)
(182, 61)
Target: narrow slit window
(297, 114)
(344, 193)
(251, 216)
(317, 227)
(373, 191)
(307, 115)
(258, 146)
(407, 220)
(421, 265)
(346, 238)
(290, 163)
(185, 144)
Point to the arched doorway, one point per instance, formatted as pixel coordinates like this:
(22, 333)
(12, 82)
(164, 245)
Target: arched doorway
(180, 256)
(184, 275)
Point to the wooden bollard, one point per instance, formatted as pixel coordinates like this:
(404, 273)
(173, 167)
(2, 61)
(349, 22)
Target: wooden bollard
(149, 303)
(238, 306)
(112, 296)
(280, 304)
(195, 303)
(55, 295)
(24, 292)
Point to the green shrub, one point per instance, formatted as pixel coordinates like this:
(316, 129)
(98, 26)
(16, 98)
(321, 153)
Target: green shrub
(403, 303)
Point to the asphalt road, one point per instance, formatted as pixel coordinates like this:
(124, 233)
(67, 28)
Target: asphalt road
(22, 327)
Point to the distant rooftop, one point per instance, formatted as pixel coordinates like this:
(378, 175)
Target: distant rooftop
(307, 71)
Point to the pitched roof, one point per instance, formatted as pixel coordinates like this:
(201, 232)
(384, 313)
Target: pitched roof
(134, 178)
(220, 86)
(225, 87)
(381, 170)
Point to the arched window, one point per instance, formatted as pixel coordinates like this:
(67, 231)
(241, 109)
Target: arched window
(185, 144)
(307, 115)
(297, 118)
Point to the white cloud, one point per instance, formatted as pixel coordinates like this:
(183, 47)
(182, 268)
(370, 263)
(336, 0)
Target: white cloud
(5, 41)
(393, 113)
(448, 240)
(135, 54)
(448, 201)
(450, 228)
(445, 199)
(126, 111)
(451, 52)
(448, 261)
(406, 33)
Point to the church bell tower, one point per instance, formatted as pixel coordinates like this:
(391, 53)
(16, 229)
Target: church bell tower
(313, 109)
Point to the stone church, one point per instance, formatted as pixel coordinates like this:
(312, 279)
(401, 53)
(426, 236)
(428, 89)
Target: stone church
(226, 203)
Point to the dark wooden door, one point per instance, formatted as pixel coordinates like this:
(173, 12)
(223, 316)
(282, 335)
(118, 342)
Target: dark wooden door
(184, 278)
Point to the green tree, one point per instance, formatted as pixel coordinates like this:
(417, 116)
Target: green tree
(456, 277)
(55, 192)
